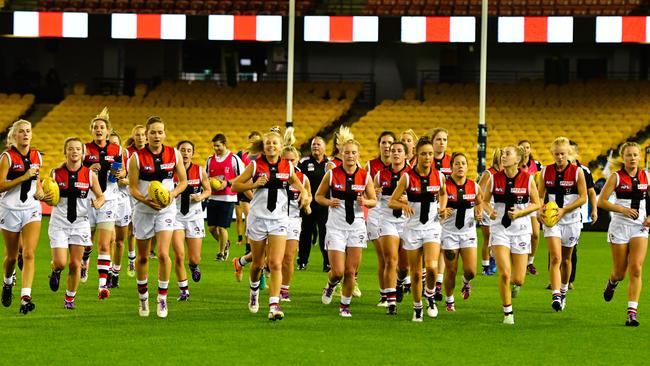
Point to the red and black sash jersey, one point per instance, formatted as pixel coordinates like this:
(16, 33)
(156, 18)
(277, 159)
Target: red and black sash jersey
(194, 186)
(413, 161)
(72, 185)
(634, 189)
(443, 165)
(105, 156)
(19, 164)
(388, 180)
(376, 165)
(131, 150)
(278, 175)
(293, 193)
(424, 189)
(460, 198)
(347, 187)
(561, 183)
(510, 191)
(336, 161)
(157, 166)
(492, 170)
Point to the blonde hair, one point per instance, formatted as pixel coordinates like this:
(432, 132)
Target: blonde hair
(289, 140)
(343, 136)
(561, 141)
(104, 117)
(618, 164)
(257, 145)
(518, 150)
(496, 158)
(137, 127)
(411, 133)
(11, 141)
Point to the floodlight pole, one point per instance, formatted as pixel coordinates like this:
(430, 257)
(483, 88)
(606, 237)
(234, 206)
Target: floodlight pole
(482, 127)
(290, 62)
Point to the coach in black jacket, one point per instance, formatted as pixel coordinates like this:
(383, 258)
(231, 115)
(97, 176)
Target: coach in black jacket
(314, 167)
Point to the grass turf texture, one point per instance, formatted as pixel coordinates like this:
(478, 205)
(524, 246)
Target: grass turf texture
(215, 325)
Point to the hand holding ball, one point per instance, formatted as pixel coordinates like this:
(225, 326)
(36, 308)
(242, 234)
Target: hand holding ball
(551, 214)
(159, 194)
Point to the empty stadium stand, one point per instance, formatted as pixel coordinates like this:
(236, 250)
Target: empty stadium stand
(597, 115)
(12, 107)
(197, 111)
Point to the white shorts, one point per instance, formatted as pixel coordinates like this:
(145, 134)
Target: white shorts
(518, 244)
(193, 228)
(63, 237)
(123, 212)
(146, 225)
(294, 228)
(621, 233)
(451, 241)
(259, 229)
(107, 213)
(485, 219)
(373, 226)
(15, 220)
(340, 240)
(569, 234)
(415, 239)
(389, 228)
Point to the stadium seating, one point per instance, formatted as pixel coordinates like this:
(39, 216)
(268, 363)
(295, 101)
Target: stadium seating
(198, 110)
(597, 115)
(202, 7)
(12, 107)
(500, 7)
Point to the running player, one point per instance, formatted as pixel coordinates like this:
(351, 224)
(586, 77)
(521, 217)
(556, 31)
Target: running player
(224, 166)
(350, 189)
(385, 140)
(565, 184)
(189, 225)
(487, 259)
(515, 198)
(134, 143)
(442, 163)
(243, 200)
(267, 223)
(392, 222)
(105, 160)
(122, 220)
(20, 211)
(464, 209)
(292, 155)
(628, 230)
(532, 167)
(424, 186)
(69, 228)
(154, 162)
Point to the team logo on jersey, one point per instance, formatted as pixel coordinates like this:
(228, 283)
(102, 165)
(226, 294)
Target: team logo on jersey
(282, 175)
(81, 185)
(643, 187)
(358, 187)
(469, 196)
(522, 244)
(625, 187)
(148, 168)
(310, 167)
(433, 188)
(92, 158)
(452, 197)
(167, 166)
(566, 183)
(498, 190)
(194, 182)
(168, 221)
(227, 170)
(516, 190)
(338, 186)
(17, 166)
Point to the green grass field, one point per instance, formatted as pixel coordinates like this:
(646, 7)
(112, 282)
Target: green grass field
(215, 326)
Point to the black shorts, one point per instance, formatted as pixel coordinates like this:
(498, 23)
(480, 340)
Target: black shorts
(242, 198)
(220, 213)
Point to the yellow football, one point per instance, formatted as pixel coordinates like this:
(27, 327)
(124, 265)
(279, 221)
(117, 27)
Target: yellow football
(158, 193)
(215, 184)
(550, 213)
(50, 186)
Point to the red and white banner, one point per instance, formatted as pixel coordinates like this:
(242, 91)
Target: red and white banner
(148, 26)
(341, 29)
(438, 29)
(623, 29)
(46, 24)
(263, 28)
(535, 30)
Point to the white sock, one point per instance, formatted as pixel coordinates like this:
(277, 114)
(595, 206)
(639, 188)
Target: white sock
(449, 299)
(531, 259)
(274, 300)
(407, 280)
(9, 281)
(25, 292)
(440, 277)
(464, 280)
(507, 309)
(485, 263)
(131, 255)
(346, 300)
